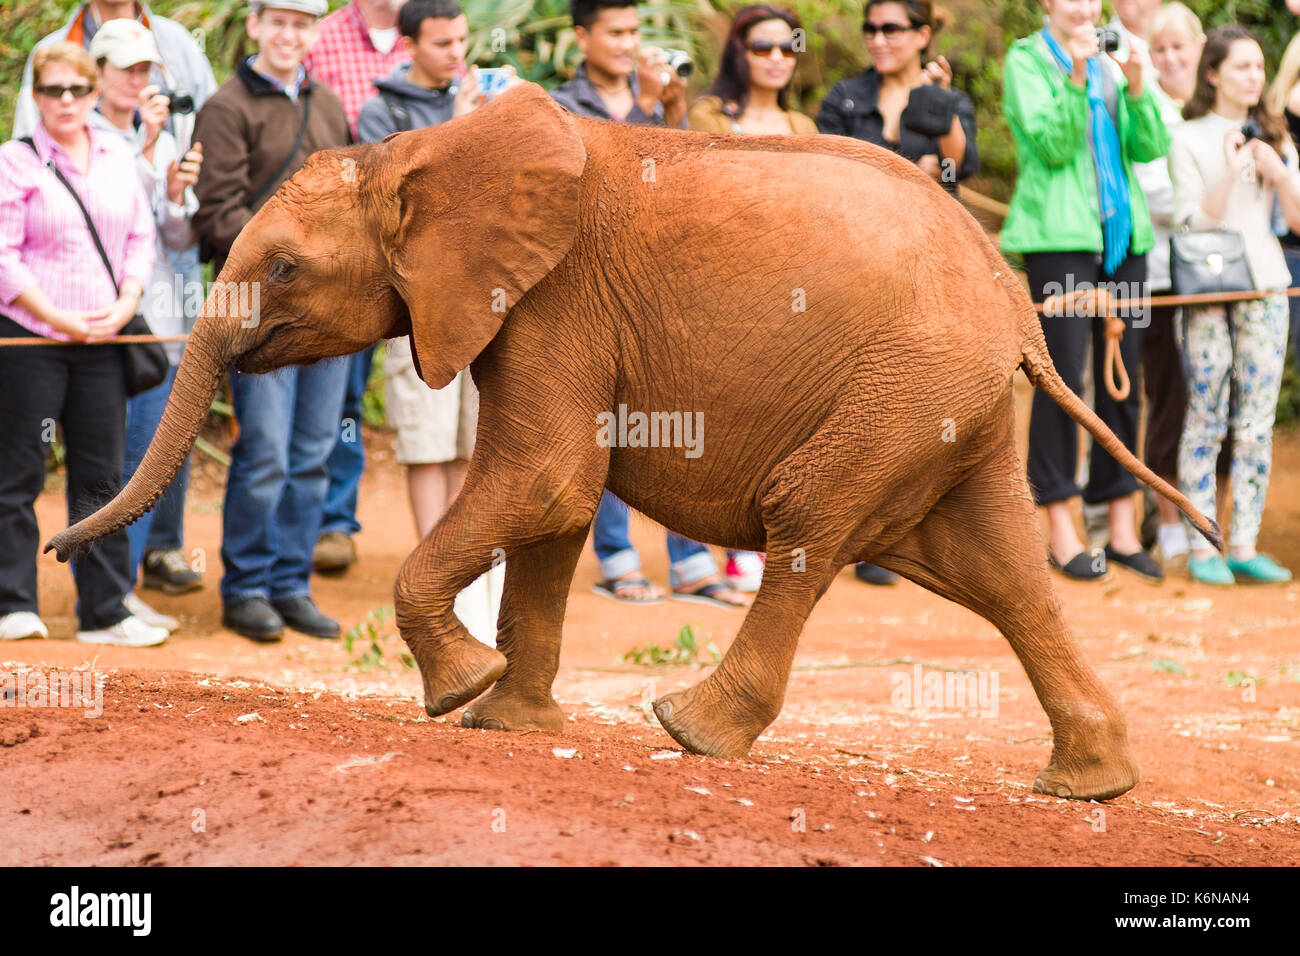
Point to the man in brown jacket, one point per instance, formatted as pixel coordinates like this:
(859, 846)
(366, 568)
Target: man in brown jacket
(257, 130)
(263, 123)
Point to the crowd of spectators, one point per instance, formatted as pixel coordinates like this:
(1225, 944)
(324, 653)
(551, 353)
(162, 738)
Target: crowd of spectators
(129, 167)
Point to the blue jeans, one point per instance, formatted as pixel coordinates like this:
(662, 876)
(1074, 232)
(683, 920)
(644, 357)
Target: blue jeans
(348, 459)
(288, 423)
(162, 528)
(1293, 263)
(688, 560)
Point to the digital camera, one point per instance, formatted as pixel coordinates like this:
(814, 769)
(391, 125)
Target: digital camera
(1108, 40)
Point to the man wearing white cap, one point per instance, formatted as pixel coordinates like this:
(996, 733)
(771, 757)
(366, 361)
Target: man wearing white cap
(258, 129)
(131, 107)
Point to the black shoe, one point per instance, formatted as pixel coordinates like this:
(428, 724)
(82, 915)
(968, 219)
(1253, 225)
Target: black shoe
(301, 614)
(1139, 563)
(1084, 566)
(167, 571)
(253, 618)
(869, 573)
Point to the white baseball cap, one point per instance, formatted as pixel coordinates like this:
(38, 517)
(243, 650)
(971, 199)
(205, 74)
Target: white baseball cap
(124, 43)
(316, 8)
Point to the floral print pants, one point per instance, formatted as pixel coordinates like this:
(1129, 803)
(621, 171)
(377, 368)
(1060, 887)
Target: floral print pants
(1238, 345)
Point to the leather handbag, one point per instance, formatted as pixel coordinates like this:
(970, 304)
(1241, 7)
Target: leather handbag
(1207, 263)
(144, 364)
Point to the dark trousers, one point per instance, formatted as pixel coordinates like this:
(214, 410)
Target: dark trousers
(1053, 435)
(348, 459)
(1166, 394)
(81, 387)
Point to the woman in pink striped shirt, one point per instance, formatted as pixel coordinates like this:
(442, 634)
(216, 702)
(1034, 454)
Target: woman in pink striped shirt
(53, 283)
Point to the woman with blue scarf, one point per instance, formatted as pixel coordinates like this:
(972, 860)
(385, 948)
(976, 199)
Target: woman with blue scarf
(1080, 120)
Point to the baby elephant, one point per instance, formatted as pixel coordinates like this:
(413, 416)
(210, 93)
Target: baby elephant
(839, 333)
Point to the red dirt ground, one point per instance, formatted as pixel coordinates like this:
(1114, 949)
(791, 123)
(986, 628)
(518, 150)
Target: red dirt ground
(341, 766)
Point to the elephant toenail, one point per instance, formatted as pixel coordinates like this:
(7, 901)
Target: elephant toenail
(467, 719)
(491, 723)
(446, 702)
(663, 708)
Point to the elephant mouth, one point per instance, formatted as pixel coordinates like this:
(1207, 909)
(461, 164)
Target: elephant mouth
(260, 358)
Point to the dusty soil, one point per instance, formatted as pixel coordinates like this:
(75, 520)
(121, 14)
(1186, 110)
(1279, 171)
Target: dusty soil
(340, 764)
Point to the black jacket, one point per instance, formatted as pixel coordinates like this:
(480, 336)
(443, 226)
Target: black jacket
(851, 109)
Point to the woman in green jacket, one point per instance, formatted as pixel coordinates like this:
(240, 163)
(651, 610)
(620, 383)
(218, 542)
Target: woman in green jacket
(1080, 120)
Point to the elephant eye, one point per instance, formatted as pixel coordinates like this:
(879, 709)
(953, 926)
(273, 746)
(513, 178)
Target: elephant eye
(282, 270)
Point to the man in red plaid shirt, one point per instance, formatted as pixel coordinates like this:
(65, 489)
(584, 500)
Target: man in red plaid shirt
(356, 45)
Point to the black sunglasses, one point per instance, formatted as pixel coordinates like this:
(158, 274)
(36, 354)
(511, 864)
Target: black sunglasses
(765, 47)
(890, 30)
(56, 92)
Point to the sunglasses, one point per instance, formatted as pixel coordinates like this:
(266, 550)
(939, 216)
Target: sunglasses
(765, 48)
(56, 92)
(888, 30)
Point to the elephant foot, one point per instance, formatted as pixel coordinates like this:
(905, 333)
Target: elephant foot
(457, 672)
(502, 709)
(1091, 760)
(700, 720)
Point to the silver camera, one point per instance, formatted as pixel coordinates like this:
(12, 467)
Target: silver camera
(680, 61)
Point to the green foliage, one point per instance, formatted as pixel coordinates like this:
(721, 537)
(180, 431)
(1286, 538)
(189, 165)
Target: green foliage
(1288, 402)
(686, 649)
(373, 408)
(1167, 667)
(372, 637)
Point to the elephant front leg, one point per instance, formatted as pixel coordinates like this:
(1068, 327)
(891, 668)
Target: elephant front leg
(454, 666)
(532, 619)
(723, 714)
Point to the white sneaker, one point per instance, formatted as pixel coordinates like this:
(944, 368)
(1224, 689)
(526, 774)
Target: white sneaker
(21, 625)
(147, 614)
(130, 632)
(745, 571)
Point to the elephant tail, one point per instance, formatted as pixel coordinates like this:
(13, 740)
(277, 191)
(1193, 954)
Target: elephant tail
(1036, 362)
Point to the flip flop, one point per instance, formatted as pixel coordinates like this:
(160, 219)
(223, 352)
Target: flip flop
(707, 595)
(611, 588)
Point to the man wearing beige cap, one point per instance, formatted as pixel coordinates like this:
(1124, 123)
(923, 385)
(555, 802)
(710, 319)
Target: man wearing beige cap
(258, 129)
(183, 71)
(132, 107)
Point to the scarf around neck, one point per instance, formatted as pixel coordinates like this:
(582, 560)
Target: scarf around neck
(1107, 159)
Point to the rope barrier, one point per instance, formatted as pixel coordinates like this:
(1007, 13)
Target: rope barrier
(116, 340)
(1087, 303)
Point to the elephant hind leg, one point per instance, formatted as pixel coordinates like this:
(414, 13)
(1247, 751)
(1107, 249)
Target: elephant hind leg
(980, 546)
(723, 714)
(807, 531)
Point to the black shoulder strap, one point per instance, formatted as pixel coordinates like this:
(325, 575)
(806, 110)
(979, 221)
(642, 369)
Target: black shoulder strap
(254, 199)
(90, 223)
(400, 114)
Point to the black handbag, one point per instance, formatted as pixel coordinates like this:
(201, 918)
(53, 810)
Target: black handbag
(1207, 263)
(145, 364)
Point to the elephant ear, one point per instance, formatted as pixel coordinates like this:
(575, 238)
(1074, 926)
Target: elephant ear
(487, 206)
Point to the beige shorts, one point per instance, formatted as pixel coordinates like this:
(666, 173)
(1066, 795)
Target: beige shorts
(433, 425)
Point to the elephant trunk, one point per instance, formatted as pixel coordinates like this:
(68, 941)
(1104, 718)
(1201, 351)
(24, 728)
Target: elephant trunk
(202, 366)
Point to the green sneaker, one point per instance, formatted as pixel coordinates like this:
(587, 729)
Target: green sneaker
(1211, 570)
(1261, 569)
